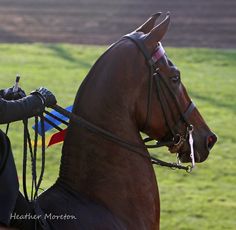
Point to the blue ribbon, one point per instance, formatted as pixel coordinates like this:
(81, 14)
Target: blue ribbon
(47, 126)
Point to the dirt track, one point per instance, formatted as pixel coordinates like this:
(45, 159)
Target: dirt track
(199, 23)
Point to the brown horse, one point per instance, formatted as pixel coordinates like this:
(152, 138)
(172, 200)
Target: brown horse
(104, 184)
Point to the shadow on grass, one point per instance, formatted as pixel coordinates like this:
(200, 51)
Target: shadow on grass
(61, 52)
(215, 102)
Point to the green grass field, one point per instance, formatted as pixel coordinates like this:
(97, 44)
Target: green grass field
(204, 199)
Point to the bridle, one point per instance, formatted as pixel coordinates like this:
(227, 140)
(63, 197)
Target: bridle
(174, 139)
(154, 75)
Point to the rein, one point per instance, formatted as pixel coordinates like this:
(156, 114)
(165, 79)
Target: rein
(116, 139)
(36, 182)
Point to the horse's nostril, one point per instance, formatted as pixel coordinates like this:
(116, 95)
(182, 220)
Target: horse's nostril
(211, 140)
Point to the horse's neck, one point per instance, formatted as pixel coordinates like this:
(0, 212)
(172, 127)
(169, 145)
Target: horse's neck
(106, 172)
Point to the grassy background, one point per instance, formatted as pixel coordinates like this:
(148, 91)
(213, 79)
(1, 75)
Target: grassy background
(204, 199)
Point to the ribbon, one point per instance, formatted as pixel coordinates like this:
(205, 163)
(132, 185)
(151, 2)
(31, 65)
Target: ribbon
(57, 137)
(47, 126)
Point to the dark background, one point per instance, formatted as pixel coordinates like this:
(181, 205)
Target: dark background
(202, 23)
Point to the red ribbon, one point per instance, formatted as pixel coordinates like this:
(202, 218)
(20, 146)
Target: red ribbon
(57, 137)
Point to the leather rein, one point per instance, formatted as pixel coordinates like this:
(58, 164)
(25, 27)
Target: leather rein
(175, 140)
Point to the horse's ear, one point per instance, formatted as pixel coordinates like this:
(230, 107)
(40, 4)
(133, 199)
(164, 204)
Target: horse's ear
(158, 32)
(149, 24)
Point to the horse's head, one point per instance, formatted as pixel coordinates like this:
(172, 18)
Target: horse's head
(164, 110)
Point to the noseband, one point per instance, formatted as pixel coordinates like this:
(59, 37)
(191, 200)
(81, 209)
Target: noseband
(175, 138)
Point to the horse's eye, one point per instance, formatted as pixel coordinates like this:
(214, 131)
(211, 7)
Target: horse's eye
(175, 79)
